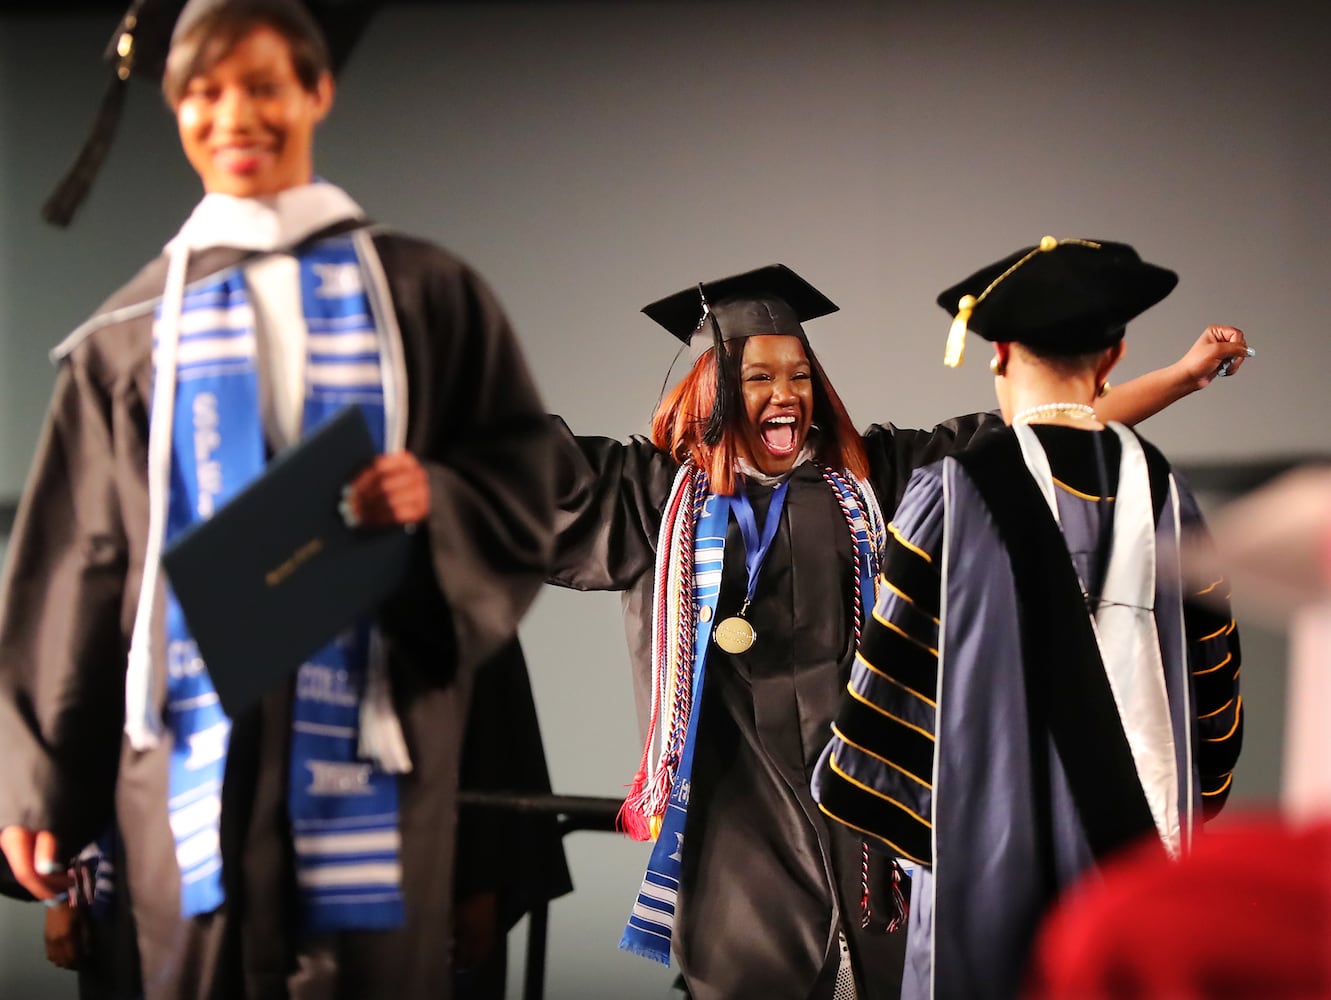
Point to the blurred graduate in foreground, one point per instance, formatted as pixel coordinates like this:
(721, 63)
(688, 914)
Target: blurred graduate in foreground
(306, 847)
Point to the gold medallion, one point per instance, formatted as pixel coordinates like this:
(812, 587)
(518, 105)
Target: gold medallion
(734, 634)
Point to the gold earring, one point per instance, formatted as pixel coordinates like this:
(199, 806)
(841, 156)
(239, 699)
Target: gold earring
(1104, 388)
(997, 368)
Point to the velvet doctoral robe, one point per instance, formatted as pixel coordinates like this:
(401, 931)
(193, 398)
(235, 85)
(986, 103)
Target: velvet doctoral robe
(983, 736)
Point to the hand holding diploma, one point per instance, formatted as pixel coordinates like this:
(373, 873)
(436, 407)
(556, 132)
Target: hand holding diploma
(393, 489)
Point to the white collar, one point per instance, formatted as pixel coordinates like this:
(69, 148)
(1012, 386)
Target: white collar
(271, 223)
(743, 465)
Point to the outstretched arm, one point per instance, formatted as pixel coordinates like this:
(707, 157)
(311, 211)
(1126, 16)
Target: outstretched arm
(1134, 401)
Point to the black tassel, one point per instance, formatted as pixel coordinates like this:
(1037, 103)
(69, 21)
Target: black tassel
(63, 202)
(719, 419)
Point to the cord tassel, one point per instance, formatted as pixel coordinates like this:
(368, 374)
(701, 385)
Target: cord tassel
(955, 351)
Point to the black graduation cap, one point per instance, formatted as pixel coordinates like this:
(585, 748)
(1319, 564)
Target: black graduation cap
(138, 48)
(771, 300)
(1060, 297)
(767, 300)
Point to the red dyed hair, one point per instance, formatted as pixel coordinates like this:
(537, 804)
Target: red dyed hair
(679, 422)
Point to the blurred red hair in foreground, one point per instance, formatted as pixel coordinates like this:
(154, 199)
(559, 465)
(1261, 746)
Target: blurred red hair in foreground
(1246, 914)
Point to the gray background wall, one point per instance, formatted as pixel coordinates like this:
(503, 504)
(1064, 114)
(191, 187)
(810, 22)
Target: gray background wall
(590, 157)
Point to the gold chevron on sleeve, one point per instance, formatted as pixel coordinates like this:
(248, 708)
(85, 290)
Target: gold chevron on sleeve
(1238, 716)
(836, 769)
(888, 715)
(893, 626)
(836, 731)
(896, 533)
(1229, 780)
(1211, 670)
(1222, 630)
(883, 581)
(892, 680)
(876, 836)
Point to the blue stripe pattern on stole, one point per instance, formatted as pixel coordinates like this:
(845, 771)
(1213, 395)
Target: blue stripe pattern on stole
(343, 345)
(213, 457)
(343, 810)
(653, 916)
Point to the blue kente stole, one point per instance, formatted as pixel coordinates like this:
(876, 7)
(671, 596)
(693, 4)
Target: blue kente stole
(652, 919)
(343, 810)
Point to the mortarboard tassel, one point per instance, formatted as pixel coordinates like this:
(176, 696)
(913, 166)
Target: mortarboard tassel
(956, 337)
(720, 415)
(63, 202)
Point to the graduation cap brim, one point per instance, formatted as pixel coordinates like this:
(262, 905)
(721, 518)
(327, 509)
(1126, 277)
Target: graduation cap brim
(1074, 298)
(138, 48)
(152, 24)
(767, 300)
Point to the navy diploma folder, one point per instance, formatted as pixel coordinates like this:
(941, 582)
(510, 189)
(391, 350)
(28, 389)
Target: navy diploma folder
(276, 574)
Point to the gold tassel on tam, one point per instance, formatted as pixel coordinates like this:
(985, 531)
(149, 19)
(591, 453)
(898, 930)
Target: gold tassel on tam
(956, 336)
(955, 351)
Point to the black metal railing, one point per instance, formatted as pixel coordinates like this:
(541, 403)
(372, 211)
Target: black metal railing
(571, 813)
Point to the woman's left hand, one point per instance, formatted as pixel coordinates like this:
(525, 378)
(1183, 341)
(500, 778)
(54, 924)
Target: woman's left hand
(392, 490)
(1220, 350)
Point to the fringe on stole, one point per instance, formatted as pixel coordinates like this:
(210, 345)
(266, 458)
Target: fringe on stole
(672, 661)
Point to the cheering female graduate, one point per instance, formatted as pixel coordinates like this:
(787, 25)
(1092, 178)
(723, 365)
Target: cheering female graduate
(1034, 690)
(746, 534)
(304, 848)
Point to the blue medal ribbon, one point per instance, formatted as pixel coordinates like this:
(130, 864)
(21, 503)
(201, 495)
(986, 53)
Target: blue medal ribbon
(755, 547)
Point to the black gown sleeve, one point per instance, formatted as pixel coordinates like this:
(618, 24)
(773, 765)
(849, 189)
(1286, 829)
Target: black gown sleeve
(895, 452)
(610, 498)
(516, 855)
(478, 426)
(62, 644)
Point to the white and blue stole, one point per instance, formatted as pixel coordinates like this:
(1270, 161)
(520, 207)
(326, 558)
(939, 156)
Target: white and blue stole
(684, 612)
(95, 876)
(343, 808)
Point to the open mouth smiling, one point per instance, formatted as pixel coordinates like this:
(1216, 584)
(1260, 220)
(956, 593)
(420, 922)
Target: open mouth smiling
(779, 435)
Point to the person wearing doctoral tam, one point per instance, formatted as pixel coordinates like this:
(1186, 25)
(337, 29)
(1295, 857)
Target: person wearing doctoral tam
(305, 847)
(750, 887)
(1036, 690)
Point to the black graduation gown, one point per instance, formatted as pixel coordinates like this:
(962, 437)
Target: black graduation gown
(518, 857)
(756, 915)
(68, 606)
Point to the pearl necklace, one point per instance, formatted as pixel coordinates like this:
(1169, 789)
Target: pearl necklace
(1077, 411)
